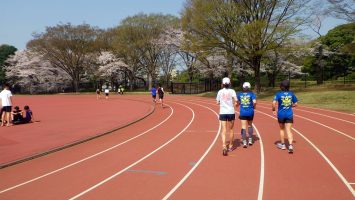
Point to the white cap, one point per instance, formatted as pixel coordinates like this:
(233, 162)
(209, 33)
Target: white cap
(246, 85)
(226, 80)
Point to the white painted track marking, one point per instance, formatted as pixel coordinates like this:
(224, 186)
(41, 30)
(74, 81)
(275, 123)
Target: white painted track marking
(87, 158)
(262, 159)
(333, 129)
(302, 110)
(342, 178)
(138, 161)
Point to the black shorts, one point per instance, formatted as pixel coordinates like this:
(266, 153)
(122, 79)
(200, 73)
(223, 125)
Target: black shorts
(249, 118)
(97, 92)
(161, 96)
(106, 94)
(154, 96)
(285, 120)
(226, 117)
(7, 108)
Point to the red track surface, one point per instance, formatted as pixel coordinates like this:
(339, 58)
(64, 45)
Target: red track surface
(176, 153)
(65, 119)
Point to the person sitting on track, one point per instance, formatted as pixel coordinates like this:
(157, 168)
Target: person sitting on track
(247, 102)
(285, 100)
(17, 115)
(226, 98)
(26, 116)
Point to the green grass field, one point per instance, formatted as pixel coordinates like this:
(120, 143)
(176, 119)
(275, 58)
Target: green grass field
(335, 97)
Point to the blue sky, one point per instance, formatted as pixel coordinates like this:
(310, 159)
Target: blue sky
(20, 18)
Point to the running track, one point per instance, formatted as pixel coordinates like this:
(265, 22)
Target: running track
(175, 153)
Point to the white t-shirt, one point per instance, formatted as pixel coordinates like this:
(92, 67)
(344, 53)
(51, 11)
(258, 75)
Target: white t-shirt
(5, 98)
(107, 90)
(225, 98)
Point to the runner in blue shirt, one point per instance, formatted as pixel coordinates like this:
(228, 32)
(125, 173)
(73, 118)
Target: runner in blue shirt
(285, 100)
(247, 102)
(154, 93)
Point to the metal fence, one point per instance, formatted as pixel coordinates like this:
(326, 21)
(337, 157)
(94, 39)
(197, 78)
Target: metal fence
(194, 87)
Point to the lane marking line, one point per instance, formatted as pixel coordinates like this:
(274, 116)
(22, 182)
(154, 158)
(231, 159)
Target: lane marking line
(347, 184)
(197, 163)
(324, 157)
(262, 159)
(138, 161)
(262, 165)
(87, 158)
(299, 109)
(344, 134)
(303, 106)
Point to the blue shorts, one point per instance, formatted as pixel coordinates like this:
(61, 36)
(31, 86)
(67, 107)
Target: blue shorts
(285, 120)
(226, 117)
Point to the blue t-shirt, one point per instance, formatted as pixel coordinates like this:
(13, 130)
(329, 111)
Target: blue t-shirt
(154, 91)
(285, 101)
(246, 103)
(28, 116)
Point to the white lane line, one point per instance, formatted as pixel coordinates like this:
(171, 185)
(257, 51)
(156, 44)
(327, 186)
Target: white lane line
(342, 178)
(197, 163)
(262, 157)
(89, 157)
(333, 129)
(138, 161)
(344, 113)
(300, 109)
(344, 134)
(262, 165)
(352, 183)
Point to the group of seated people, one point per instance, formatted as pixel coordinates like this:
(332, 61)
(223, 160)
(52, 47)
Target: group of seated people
(21, 117)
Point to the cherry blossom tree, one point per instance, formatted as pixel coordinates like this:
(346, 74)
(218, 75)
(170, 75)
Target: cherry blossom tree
(31, 73)
(111, 68)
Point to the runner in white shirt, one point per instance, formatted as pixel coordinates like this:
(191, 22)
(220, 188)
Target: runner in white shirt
(107, 92)
(227, 98)
(6, 103)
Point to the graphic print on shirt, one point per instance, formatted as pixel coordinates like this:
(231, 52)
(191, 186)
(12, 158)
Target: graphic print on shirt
(286, 101)
(245, 100)
(226, 96)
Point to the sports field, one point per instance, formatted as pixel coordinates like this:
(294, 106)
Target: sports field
(175, 152)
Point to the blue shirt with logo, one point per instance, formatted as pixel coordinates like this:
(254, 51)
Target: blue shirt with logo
(246, 103)
(285, 101)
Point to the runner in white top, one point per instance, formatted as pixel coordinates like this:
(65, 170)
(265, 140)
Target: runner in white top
(107, 92)
(227, 98)
(6, 103)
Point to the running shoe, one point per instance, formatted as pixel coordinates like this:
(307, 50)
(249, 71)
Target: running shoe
(231, 148)
(281, 146)
(250, 142)
(225, 151)
(290, 148)
(244, 143)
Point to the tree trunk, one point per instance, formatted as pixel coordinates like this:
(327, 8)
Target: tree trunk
(256, 66)
(271, 79)
(319, 66)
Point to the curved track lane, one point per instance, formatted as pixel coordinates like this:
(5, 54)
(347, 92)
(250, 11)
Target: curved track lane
(176, 154)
